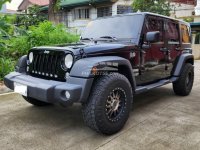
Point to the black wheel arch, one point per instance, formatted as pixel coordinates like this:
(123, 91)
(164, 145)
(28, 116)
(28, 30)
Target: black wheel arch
(21, 64)
(83, 67)
(180, 62)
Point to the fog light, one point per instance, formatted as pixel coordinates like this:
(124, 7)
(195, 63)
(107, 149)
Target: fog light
(67, 75)
(27, 69)
(67, 94)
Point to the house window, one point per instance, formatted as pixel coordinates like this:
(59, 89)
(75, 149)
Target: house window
(82, 13)
(123, 9)
(197, 39)
(104, 11)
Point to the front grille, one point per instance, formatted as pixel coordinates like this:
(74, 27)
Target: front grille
(47, 65)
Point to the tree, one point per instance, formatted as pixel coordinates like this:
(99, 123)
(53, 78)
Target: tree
(155, 6)
(2, 2)
(34, 17)
(53, 7)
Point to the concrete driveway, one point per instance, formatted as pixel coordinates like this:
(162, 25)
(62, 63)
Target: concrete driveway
(160, 120)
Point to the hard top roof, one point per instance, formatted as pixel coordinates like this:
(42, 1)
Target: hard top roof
(144, 14)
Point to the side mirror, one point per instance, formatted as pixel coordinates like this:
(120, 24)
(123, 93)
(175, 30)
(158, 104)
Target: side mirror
(153, 36)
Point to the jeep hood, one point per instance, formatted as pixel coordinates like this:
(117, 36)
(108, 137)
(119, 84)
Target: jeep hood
(88, 49)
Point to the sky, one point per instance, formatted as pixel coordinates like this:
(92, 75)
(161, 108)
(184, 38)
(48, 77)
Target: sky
(14, 4)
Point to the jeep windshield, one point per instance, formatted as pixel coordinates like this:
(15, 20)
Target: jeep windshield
(120, 27)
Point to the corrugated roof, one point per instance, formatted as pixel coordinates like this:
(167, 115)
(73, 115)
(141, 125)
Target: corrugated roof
(189, 2)
(194, 24)
(74, 3)
(25, 3)
(69, 3)
(40, 2)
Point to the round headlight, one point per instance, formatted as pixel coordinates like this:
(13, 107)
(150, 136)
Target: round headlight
(30, 57)
(68, 61)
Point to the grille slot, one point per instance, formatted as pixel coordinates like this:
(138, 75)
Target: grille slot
(47, 66)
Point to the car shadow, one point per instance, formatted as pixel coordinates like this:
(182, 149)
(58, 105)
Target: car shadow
(72, 116)
(160, 94)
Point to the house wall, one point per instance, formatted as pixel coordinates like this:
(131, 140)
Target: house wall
(195, 48)
(197, 19)
(196, 51)
(181, 10)
(25, 5)
(78, 25)
(120, 2)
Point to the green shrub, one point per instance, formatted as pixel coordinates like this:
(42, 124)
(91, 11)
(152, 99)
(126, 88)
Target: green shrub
(44, 34)
(6, 66)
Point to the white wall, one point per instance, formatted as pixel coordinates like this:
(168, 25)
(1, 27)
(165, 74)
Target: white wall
(120, 2)
(80, 25)
(197, 8)
(182, 10)
(197, 19)
(196, 51)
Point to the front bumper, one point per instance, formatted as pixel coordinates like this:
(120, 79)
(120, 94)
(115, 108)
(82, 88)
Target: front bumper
(51, 91)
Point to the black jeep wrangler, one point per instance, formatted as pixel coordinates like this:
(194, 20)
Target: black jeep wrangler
(116, 58)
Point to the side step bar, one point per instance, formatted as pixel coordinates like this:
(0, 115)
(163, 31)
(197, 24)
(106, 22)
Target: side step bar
(141, 89)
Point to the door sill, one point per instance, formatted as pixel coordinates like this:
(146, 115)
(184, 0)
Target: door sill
(141, 89)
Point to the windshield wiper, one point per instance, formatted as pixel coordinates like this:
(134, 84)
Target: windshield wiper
(87, 39)
(109, 37)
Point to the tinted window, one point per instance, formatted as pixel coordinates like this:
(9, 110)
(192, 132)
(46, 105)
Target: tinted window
(124, 27)
(154, 24)
(172, 31)
(185, 34)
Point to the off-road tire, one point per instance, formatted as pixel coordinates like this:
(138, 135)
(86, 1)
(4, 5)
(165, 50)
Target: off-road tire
(94, 111)
(184, 84)
(35, 102)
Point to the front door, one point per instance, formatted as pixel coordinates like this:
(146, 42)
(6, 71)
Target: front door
(153, 59)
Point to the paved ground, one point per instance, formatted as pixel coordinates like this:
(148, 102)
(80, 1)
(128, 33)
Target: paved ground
(3, 88)
(160, 120)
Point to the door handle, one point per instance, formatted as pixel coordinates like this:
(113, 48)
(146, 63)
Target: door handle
(164, 49)
(178, 48)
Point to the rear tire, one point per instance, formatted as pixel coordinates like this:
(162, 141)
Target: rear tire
(109, 104)
(35, 102)
(184, 84)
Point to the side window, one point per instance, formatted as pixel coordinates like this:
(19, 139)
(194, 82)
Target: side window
(154, 24)
(185, 34)
(172, 33)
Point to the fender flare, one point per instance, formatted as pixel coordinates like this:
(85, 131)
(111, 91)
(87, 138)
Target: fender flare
(179, 63)
(21, 64)
(83, 67)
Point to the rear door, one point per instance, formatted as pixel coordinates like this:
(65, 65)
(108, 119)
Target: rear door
(172, 44)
